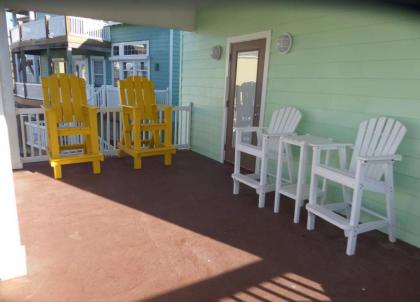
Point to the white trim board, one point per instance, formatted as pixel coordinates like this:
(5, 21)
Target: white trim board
(243, 38)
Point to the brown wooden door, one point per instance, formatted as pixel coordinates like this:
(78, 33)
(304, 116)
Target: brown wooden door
(246, 68)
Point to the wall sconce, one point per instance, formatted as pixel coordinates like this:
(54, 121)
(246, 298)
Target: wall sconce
(216, 52)
(284, 43)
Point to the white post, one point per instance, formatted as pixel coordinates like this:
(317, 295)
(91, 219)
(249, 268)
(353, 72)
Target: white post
(12, 253)
(6, 91)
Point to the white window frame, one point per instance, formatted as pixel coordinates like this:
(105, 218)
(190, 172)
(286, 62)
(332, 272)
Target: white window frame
(85, 60)
(147, 65)
(129, 58)
(122, 57)
(59, 60)
(92, 75)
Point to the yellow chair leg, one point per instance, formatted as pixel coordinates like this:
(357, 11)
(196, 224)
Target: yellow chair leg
(57, 172)
(137, 162)
(96, 165)
(167, 159)
(120, 153)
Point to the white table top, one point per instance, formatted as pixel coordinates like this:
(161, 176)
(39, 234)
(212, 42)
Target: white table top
(306, 139)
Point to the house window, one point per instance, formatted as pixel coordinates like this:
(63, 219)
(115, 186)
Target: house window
(116, 50)
(129, 59)
(135, 49)
(123, 69)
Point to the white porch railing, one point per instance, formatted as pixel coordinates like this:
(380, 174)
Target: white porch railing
(57, 26)
(33, 139)
(89, 28)
(34, 30)
(104, 96)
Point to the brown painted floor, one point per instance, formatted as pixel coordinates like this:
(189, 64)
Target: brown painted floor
(178, 234)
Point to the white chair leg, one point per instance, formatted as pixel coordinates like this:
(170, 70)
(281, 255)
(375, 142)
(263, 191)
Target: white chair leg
(300, 183)
(235, 187)
(237, 164)
(279, 174)
(351, 243)
(390, 202)
(313, 190)
(263, 182)
(355, 209)
(342, 156)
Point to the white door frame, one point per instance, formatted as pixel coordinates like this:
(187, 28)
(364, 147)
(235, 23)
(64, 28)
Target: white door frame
(84, 59)
(92, 78)
(237, 39)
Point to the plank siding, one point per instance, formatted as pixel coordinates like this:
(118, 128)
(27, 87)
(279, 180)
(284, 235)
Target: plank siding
(159, 51)
(347, 64)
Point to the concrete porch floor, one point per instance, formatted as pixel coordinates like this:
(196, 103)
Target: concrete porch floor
(178, 234)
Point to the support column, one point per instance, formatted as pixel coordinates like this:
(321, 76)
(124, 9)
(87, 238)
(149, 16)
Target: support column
(12, 253)
(22, 67)
(15, 70)
(6, 92)
(69, 60)
(49, 60)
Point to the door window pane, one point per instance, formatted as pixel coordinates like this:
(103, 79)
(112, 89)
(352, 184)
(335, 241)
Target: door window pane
(98, 72)
(246, 78)
(116, 72)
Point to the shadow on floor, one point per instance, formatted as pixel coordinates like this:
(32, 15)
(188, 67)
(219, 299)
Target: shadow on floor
(289, 264)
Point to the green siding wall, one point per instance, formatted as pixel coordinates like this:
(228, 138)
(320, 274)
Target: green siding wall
(348, 63)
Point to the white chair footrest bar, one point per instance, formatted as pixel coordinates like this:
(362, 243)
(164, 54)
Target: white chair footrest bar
(336, 206)
(328, 215)
(290, 190)
(250, 149)
(252, 180)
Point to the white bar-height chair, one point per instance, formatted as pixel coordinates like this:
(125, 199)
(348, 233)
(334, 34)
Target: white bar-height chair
(299, 190)
(370, 169)
(283, 122)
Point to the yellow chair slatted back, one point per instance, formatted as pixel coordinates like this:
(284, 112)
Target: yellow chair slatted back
(66, 94)
(139, 92)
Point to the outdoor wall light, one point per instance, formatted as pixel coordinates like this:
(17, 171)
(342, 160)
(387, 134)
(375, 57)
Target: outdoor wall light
(284, 43)
(216, 52)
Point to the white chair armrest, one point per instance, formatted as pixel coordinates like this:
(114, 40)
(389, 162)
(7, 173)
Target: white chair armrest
(278, 135)
(380, 159)
(247, 129)
(333, 146)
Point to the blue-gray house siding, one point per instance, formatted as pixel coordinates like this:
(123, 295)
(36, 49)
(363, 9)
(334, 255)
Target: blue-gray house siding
(159, 41)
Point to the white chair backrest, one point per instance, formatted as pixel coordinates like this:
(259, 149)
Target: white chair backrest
(377, 137)
(284, 120)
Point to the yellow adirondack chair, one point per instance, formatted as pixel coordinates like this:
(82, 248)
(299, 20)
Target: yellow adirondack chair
(68, 115)
(143, 132)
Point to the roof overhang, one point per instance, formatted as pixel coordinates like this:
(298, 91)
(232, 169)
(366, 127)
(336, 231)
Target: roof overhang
(159, 13)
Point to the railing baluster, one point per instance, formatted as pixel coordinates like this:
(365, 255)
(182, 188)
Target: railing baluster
(176, 121)
(38, 129)
(114, 129)
(22, 132)
(108, 131)
(31, 136)
(101, 116)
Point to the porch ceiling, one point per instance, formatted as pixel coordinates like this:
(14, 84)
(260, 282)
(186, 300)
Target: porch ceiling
(163, 13)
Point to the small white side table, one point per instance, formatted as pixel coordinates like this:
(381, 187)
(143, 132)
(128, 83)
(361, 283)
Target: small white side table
(298, 191)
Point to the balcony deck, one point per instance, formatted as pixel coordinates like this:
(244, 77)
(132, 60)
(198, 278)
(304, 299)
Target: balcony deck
(178, 234)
